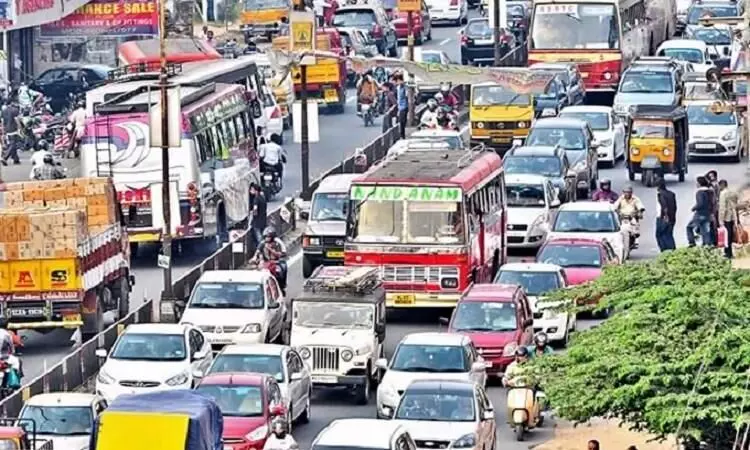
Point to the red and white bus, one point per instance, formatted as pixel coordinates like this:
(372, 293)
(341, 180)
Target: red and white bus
(601, 36)
(434, 222)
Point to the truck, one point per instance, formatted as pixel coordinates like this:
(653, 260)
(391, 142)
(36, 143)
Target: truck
(326, 79)
(64, 255)
(164, 420)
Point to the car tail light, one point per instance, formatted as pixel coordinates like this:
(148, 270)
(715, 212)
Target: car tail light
(377, 31)
(464, 39)
(454, 2)
(276, 114)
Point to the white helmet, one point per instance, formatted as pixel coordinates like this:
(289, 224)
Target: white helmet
(439, 97)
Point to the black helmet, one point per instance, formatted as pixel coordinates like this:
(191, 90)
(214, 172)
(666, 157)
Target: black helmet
(279, 427)
(605, 182)
(269, 232)
(541, 339)
(522, 352)
(48, 159)
(42, 144)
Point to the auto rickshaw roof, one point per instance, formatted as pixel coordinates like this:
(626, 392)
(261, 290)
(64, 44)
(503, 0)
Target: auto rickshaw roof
(657, 112)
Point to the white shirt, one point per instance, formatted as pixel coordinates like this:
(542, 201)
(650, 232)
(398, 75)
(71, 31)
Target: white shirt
(274, 443)
(37, 158)
(78, 117)
(271, 153)
(319, 6)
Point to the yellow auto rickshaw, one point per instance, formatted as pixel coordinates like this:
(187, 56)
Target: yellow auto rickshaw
(657, 141)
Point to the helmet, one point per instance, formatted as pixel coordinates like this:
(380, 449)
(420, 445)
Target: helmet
(605, 182)
(42, 144)
(445, 87)
(522, 352)
(439, 97)
(279, 426)
(48, 159)
(431, 103)
(269, 232)
(540, 339)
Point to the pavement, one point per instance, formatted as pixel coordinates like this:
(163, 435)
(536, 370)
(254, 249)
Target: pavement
(340, 135)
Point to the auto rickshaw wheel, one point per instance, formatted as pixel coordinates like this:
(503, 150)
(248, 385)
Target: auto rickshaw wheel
(520, 431)
(681, 176)
(648, 178)
(631, 174)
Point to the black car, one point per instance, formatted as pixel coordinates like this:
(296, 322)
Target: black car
(372, 18)
(477, 42)
(550, 162)
(57, 84)
(553, 100)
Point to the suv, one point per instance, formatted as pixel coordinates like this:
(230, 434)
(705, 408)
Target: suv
(570, 76)
(339, 327)
(372, 18)
(649, 81)
(547, 161)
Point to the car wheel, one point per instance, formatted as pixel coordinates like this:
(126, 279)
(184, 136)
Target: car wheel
(429, 34)
(362, 393)
(305, 416)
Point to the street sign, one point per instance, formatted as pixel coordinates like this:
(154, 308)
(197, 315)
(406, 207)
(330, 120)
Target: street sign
(302, 31)
(409, 5)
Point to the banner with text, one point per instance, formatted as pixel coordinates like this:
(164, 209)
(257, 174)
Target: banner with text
(114, 18)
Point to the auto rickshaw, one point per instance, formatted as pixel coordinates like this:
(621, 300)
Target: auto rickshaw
(657, 142)
(20, 434)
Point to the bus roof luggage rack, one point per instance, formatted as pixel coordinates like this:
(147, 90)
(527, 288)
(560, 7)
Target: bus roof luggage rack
(423, 165)
(344, 280)
(115, 105)
(143, 70)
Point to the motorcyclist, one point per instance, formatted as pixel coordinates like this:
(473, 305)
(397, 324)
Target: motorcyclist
(27, 97)
(449, 97)
(443, 117)
(430, 116)
(629, 205)
(439, 99)
(514, 371)
(37, 158)
(76, 125)
(541, 345)
(13, 370)
(273, 249)
(605, 192)
(48, 170)
(272, 155)
(367, 90)
(280, 438)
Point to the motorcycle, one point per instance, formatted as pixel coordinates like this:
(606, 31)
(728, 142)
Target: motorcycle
(271, 183)
(632, 225)
(525, 406)
(367, 116)
(10, 368)
(275, 269)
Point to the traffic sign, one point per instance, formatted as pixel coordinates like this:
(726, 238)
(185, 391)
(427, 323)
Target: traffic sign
(409, 5)
(302, 31)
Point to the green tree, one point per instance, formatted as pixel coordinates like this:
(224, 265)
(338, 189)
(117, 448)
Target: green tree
(673, 358)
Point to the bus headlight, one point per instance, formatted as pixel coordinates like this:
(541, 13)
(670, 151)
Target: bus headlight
(607, 76)
(449, 283)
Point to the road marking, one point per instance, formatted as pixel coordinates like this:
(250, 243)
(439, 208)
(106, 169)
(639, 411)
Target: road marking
(350, 99)
(444, 41)
(295, 258)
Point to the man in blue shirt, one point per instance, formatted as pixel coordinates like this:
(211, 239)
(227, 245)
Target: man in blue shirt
(402, 100)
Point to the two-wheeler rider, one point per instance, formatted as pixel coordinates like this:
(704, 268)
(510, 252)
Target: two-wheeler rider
(280, 438)
(430, 116)
(41, 150)
(514, 372)
(605, 192)
(11, 378)
(541, 345)
(630, 207)
(273, 249)
(272, 156)
(76, 126)
(367, 90)
(48, 170)
(449, 98)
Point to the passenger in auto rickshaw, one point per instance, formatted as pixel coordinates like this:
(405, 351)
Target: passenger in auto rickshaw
(657, 142)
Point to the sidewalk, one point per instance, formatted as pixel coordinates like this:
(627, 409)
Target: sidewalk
(607, 432)
(20, 172)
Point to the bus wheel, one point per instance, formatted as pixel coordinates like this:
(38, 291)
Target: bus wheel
(495, 265)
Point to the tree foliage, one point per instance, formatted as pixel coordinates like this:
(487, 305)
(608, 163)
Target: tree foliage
(673, 357)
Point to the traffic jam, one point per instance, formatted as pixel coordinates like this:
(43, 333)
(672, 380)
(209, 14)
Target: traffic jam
(418, 293)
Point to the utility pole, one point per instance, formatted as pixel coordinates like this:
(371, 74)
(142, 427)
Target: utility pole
(304, 126)
(166, 238)
(496, 19)
(410, 56)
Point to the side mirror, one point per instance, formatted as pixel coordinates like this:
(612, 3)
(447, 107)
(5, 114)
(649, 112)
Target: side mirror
(571, 174)
(445, 321)
(200, 354)
(379, 328)
(488, 415)
(479, 366)
(555, 203)
(274, 305)
(528, 322)
(197, 374)
(277, 410)
(296, 376)
(101, 352)
(381, 363)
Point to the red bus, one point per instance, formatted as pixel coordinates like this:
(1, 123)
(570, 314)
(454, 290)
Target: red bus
(434, 222)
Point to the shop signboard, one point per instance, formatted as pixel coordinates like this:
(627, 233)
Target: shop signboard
(113, 18)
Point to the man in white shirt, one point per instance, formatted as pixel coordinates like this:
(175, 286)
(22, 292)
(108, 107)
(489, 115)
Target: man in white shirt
(77, 120)
(272, 155)
(37, 158)
(319, 7)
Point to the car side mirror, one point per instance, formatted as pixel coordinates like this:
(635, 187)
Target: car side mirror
(488, 414)
(571, 174)
(200, 354)
(444, 321)
(528, 322)
(197, 374)
(555, 203)
(101, 352)
(381, 363)
(379, 328)
(479, 366)
(296, 376)
(277, 410)
(274, 305)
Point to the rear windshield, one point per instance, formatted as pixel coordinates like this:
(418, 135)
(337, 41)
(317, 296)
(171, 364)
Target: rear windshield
(479, 28)
(362, 18)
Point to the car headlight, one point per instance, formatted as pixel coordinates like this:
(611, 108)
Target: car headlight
(580, 165)
(304, 352)
(510, 349)
(362, 350)
(606, 142)
(634, 151)
(521, 124)
(537, 224)
(104, 377)
(480, 125)
(314, 241)
(257, 434)
(177, 379)
(620, 109)
(347, 355)
(467, 441)
(252, 328)
(729, 136)
(666, 152)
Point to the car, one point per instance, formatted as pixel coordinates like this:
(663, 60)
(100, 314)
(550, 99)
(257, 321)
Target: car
(694, 51)
(552, 100)
(274, 123)
(648, 84)
(151, 357)
(447, 414)
(713, 8)
(518, 14)
(608, 129)
(64, 418)
(429, 139)
(453, 11)
(582, 259)
(547, 161)
(427, 91)
(60, 82)
(531, 201)
(719, 39)
(498, 319)
(238, 307)
(421, 25)
(248, 403)
(576, 137)
(282, 362)
(349, 433)
(588, 219)
(538, 279)
(434, 356)
(477, 42)
(713, 131)
(569, 75)
(372, 18)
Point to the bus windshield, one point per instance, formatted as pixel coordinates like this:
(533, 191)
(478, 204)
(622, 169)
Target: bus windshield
(251, 5)
(498, 95)
(575, 26)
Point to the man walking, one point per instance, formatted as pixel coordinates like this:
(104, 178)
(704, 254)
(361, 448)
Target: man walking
(12, 137)
(702, 214)
(728, 200)
(258, 211)
(666, 217)
(402, 98)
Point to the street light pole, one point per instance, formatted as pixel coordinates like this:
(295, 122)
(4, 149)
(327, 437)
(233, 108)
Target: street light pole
(496, 18)
(304, 131)
(165, 184)
(410, 56)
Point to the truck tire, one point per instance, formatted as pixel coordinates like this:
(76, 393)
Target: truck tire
(99, 319)
(121, 291)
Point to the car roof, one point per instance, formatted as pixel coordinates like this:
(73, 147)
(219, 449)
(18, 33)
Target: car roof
(530, 267)
(523, 178)
(232, 378)
(559, 122)
(254, 349)
(536, 150)
(156, 328)
(101, 68)
(348, 433)
(587, 206)
(434, 338)
(478, 19)
(463, 386)
(496, 292)
(348, 8)
(233, 276)
(683, 43)
(587, 108)
(62, 399)
(547, 65)
(561, 240)
(340, 182)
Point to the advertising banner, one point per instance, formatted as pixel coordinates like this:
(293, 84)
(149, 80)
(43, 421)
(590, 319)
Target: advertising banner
(114, 18)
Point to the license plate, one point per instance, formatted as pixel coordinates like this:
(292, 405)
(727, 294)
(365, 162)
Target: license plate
(24, 312)
(219, 341)
(706, 146)
(325, 379)
(404, 299)
(584, 75)
(72, 318)
(501, 140)
(268, 177)
(335, 254)
(331, 95)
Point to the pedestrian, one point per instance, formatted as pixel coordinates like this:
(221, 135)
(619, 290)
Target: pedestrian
(12, 136)
(258, 211)
(728, 200)
(666, 218)
(593, 444)
(702, 213)
(319, 7)
(713, 182)
(402, 98)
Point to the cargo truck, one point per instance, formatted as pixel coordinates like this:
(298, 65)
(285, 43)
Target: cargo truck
(64, 255)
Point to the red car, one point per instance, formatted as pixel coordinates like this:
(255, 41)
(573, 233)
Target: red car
(497, 318)
(422, 25)
(248, 402)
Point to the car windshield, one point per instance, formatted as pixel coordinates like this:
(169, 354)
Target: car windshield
(701, 91)
(567, 138)
(652, 129)
(702, 115)
(586, 222)
(59, 420)
(437, 406)
(268, 364)
(535, 283)
(431, 57)
(479, 29)
(548, 166)
(525, 195)
(571, 255)
(333, 315)
(700, 11)
(251, 5)
(641, 82)
(598, 121)
(227, 296)
(692, 55)
(358, 18)
(329, 206)
(485, 316)
(572, 26)
(150, 347)
(498, 95)
(439, 142)
(235, 400)
(712, 35)
(430, 358)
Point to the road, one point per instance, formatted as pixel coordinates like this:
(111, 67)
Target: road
(339, 136)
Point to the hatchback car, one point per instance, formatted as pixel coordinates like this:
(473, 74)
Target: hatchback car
(569, 75)
(582, 259)
(550, 162)
(648, 84)
(597, 220)
(448, 414)
(372, 18)
(531, 201)
(608, 129)
(348, 433)
(452, 11)
(693, 51)
(713, 133)
(64, 419)
(477, 42)
(719, 40)
(421, 25)
(712, 8)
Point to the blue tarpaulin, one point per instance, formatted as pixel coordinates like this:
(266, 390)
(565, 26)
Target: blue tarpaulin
(206, 423)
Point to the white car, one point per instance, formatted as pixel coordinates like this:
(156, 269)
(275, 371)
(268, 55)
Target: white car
(280, 361)
(428, 140)
(238, 307)
(712, 132)
(455, 11)
(430, 356)
(447, 414)
(592, 220)
(609, 130)
(274, 119)
(531, 202)
(691, 51)
(538, 279)
(150, 357)
(64, 418)
(363, 434)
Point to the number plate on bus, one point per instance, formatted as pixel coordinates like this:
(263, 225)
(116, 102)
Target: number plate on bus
(404, 299)
(584, 75)
(331, 95)
(26, 312)
(501, 139)
(706, 146)
(335, 254)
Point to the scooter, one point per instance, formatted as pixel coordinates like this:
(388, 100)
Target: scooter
(632, 225)
(10, 368)
(525, 406)
(366, 111)
(271, 184)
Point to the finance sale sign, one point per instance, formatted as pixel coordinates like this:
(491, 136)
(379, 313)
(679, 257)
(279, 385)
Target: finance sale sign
(116, 18)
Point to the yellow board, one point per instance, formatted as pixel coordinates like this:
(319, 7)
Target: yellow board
(587, 56)
(25, 276)
(60, 275)
(302, 35)
(142, 431)
(4, 277)
(325, 71)
(409, 5)
(263, 16)
(334, 254)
